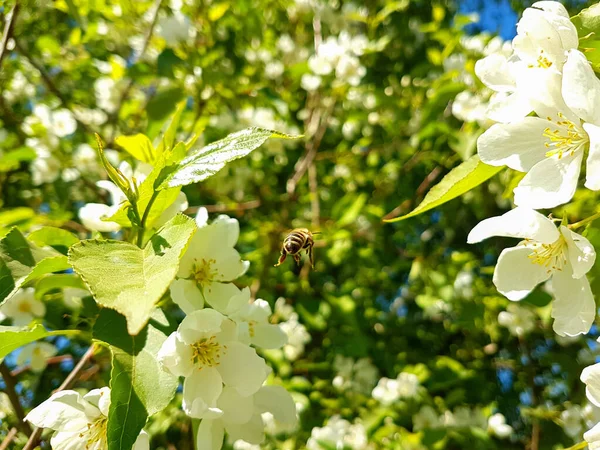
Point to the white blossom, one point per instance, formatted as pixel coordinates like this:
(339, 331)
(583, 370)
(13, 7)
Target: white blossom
(498, 427)
(209, 264)
(339, 434)
(545, 252)
(426, 418)
(79, 422)
(297, 335)
(206, 351)
(520, 321)
(23, 307)
(36, 354)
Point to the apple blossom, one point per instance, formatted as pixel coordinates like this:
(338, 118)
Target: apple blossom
(545, 252)
(23, 307)
(36, 354)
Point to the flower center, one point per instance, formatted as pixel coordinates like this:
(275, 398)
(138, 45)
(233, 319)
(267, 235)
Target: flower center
(207, 352)
(552, 256)
(24, 307)
(564, 140)
(95, 433)
(203, 272)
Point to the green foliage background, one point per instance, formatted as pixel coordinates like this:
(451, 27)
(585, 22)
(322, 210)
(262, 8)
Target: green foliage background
(381, 291)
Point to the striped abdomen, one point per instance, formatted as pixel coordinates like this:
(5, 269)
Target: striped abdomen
(297, 240)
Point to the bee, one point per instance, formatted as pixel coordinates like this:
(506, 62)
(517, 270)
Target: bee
(297, 240)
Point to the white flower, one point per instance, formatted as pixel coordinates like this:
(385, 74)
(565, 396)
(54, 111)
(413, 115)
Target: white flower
(286, 44)
(205, 351)
(6, 408)
(45, 170)
(23, 307)
(338, 434)
(519, 321)
(37, 354)
(242, 416)
(470, 107)
(310, 82)
(551, 147)
(571, 421)
(174, 29)
(179, 205)
(79, 422)
(497, 426)
(108, 93)
(359, 376)
(408, 385)
(349, 68)
(63, 123)
(546, 252)
(274, 70)
(425, 418)
(92, 214)
(85, 159)
(297, 335)
(386, 392)
(72, 297)
(591, 377)
(463, 284)
(209, 263)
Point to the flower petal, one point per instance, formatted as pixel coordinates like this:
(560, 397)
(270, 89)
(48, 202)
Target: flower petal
(242, 369)
(519, 145)
(64, 411)
(573, 308)
(236, 408)
(99, 398)
(252, 431)
(592, 437)
(199, 323)
(187, 295)
(549, 183)
(592, 173)
(505, 108)
(268, 336)
(520, 222)
(200, 393)
(494, 72)
(516, 275)
(210, 435)
(591, 378)
(580, 252)
(142, 442)
(581, 88)
(220, 295)
(277, 401)
(176, 356)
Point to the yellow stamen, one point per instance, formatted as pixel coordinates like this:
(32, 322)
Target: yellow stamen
(552, 256)
(207, 352)
(565, 140)
(203, 272)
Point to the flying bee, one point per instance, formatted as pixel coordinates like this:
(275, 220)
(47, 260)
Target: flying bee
(297, 240)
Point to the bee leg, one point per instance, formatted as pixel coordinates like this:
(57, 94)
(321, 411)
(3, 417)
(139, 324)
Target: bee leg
(281, 259)
(297, 258)
(311, 256)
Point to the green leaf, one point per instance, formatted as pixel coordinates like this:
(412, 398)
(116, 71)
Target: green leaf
(353, 211)
(207, 161)
(11, 159)
(587, 23)
(15, 217)
(22, 261)
(167, 139)
(461, 179)
(139, 385)
(53, 237)
(217, 11)
(11, 338)
(138, 146)
(127, 278)
(57, 281)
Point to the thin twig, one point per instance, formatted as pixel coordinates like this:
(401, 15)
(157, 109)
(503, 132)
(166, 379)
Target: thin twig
(314, 196)
(66, 384)
(235, 207)
(9, 27)
(130, 83)
(8, 439)
(10, 383)
(52, 360)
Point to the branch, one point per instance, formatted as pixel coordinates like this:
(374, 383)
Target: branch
(10, 383)
(8, 30)
(49, 361)
(8, 439)
(67, 384)
(314, 195)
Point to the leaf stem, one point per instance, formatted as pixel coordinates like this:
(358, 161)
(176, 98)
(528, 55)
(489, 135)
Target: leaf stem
(585, 221)
(141, 231)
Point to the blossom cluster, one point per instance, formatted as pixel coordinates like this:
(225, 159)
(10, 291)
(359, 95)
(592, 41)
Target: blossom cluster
(546, 108)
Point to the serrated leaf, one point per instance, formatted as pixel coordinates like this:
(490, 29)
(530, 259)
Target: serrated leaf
(207, 161)
(167, 140)
(139, 385)
(22, 261)
(53, 237)
(127, 278)
(459, 180)
(11, 338)
(138, 146)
